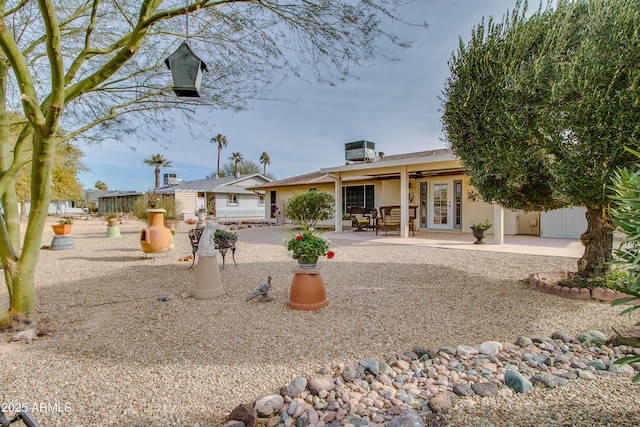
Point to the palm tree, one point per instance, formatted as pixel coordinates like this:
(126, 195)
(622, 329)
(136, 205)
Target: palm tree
(264, 160)
(157, 161)
(221, 140)
(236, 158)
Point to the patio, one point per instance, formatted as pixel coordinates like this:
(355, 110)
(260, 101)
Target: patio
(518, 244)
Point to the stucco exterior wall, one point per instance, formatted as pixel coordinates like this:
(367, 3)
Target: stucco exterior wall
(247, 206)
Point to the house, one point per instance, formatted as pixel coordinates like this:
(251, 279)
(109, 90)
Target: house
(434, 181)
(117, 201)
(225, 197)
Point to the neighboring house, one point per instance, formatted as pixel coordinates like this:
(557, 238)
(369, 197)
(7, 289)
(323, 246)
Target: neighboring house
(435, 181)
(226, 197)
(117, 201)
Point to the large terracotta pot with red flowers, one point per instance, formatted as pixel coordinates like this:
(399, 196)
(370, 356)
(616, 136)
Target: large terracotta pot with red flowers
(307, 288)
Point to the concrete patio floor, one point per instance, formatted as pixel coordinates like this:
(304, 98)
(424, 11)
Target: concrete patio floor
(520, 244)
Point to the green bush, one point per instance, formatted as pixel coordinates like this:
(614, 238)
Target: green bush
(306, 209)
(625, 216)
(139, 208)
(172, 207)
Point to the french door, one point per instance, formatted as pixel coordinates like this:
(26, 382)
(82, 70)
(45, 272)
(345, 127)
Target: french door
(441, 205)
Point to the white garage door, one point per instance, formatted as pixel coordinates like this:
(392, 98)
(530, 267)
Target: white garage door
(563, 223)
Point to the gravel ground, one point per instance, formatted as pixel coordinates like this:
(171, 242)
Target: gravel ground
(120, 357)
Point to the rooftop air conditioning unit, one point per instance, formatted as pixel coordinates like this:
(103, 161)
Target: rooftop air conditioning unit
(170, 179)
(360, 151)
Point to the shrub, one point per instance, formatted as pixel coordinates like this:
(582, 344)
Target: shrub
(306, 209)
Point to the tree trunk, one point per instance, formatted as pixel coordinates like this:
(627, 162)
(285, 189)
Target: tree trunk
(598, 244)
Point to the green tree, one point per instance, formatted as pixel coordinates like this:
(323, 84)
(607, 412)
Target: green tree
(99, 185)
(237, 159)
(66, 184)
(264, 161)
(73, 65)
(157, 161)
(247, 167)
(221, 141)
(306, 209)
(539, 108)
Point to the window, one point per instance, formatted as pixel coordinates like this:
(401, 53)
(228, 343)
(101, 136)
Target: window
(261, 200)
(232, 199)
(358, 195)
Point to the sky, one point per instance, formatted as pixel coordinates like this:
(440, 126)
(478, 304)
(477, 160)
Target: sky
(391, 103)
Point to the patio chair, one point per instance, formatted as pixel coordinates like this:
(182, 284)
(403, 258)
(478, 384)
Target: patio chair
(359, 218)
(389, 219)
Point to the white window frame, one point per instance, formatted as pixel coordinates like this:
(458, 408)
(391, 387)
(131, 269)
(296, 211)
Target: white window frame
(261, 200)
(232, 199)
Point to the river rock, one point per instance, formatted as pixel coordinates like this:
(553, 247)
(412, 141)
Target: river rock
(268, 404)
(517, 382)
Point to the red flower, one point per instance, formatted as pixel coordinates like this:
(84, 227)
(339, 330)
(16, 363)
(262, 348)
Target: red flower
(298, 237)
(330, 255)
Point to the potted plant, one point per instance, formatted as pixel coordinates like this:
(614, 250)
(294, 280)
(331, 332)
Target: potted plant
(346, 220)
(171, 215)
(63, 227)
(306, 209)
(479, 230)
(112, 218)
(307, 247)
(223, 241)
(154, 202)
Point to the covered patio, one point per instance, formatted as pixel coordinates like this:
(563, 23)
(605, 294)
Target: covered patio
(399, 177)
(519, 244)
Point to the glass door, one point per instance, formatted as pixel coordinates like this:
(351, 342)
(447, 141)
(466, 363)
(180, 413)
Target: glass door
(441, 206)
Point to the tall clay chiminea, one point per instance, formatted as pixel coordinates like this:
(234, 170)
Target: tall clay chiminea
(156, 237)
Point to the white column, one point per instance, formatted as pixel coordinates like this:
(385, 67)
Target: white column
(404, 202)
(498, 224)
(338, 208)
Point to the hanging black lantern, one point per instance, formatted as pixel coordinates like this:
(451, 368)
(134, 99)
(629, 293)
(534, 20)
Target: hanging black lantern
(186, 70)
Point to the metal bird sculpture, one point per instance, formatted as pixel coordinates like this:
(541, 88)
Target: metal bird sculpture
(262, 292)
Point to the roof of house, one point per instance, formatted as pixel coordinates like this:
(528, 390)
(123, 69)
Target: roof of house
(324, 176)
(417, 154)
(313, 178)
(226, 184)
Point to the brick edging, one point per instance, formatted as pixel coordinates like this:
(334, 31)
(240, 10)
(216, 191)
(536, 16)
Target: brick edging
(539, 281)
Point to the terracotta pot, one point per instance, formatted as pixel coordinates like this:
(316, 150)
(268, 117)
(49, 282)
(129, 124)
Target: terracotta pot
(61, 229)
(170, 224)
(156, 237)
(307, 290)
(112, 221)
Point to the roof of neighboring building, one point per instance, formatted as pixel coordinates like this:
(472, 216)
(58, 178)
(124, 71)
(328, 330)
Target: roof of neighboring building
(226, 184)
(118, 193)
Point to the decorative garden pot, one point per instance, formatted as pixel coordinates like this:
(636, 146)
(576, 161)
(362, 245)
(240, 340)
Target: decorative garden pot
(479, 234)
(113, 231)
(170, 224)
(112, 221)
(307, 265)
(61, 229)
(156, 237)
(208, 279)
(307, 290)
